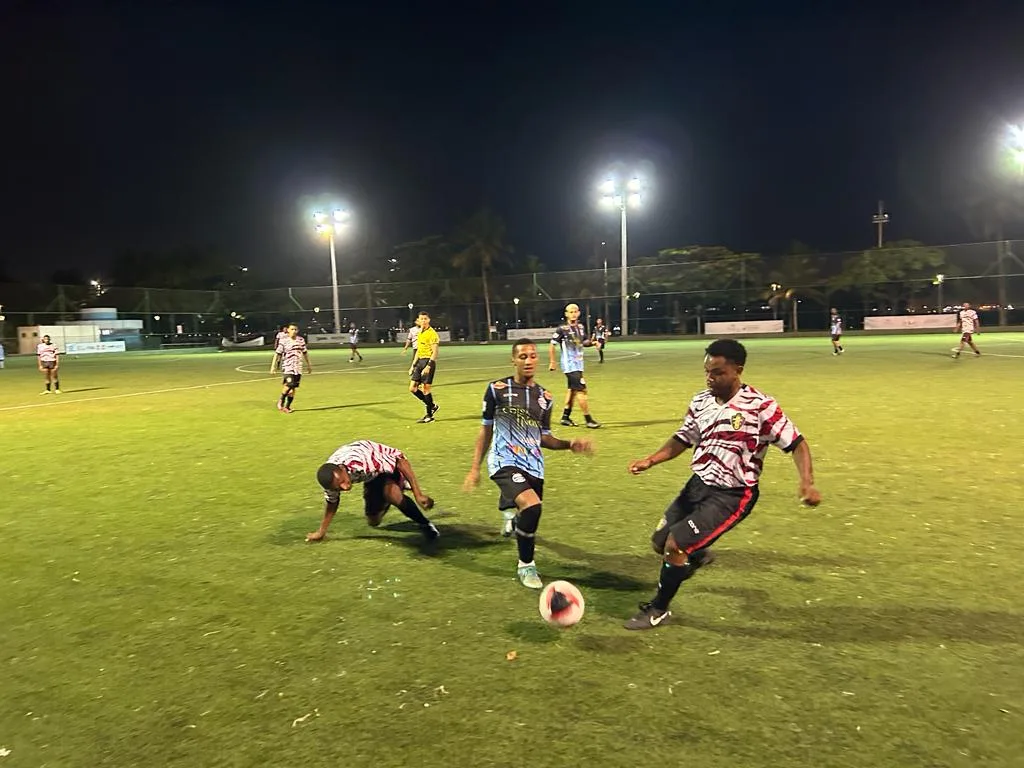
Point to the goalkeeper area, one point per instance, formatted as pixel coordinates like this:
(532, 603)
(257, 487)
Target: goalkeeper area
(160, 605)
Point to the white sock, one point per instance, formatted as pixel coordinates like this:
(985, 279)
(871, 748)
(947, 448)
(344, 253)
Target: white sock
(525, 565)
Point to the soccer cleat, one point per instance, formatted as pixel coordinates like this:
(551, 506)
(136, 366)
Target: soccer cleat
(280, 405)
(57, 392)
(434, 410)
(45, 392)
(286, 409)
(430, 532)
(567, 422)
(592, 424)
(649, 617)
(529, 577)
(508, 529)
(425, 420)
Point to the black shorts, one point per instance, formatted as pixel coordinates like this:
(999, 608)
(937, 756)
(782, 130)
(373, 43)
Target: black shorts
(48, 365)
(701, 513)
(292, 380)
(600, 343)
(836, 336)
(574, 380)
(512, 481)
(374, 502)
(353, 345)
(418, 374)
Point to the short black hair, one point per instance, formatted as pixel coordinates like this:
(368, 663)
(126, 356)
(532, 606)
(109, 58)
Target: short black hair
(423, 312)
(730, 349)
(325, 476)
(521, 343)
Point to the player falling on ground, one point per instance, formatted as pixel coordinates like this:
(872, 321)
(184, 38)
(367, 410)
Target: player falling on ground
(570, 339)
(385, 473)
(967, 324)
(729, 426)
(48, 359)
(353, 343)
(600, 338)
(835, 328)
(516, 427)
(424, 366)
(293, 357)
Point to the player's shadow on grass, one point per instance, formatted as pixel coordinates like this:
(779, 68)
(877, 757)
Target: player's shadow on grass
(857, 624)
(83, 389)
(454, 538)
(344, 405)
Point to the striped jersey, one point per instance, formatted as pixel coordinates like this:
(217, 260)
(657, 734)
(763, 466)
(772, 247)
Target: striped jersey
(836, 325)
(600, 332)
(730, 440)
(277, 339)
(968, 321)
(520, 415)
(47, 353)
(364, 460)
(413, 333)
(291, 351)
(569, 339)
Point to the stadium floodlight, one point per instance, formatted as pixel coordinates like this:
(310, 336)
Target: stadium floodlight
(339, 219)
(623, 196)
(516, 302)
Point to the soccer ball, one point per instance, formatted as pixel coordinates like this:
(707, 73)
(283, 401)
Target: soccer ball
(561, 603)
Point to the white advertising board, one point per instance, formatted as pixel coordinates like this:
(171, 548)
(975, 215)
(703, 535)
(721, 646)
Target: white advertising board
(905, 322)
(251, 343)
(529, 333)
(94, 347)
(743, 327)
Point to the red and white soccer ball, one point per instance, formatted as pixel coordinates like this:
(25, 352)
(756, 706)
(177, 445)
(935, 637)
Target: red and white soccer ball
(561, 604)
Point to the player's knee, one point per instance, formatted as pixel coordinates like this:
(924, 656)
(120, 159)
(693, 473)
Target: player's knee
(528, 519)
(673, 553)
(392, 493)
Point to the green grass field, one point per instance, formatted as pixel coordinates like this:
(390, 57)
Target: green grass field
(161, 608)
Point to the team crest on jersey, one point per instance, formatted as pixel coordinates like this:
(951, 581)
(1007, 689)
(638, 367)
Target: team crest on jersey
(737, 420)
(499, 385)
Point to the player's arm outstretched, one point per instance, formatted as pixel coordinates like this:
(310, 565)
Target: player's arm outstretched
(330, 509)
(576, 445)
(809, 495)
(405, 470)
(673, 448)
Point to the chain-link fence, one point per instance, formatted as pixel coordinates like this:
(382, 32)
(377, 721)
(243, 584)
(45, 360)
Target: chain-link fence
(663, 298)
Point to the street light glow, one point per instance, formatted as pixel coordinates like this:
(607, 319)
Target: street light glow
(515, 300)
(623, 197)
(341, 216)
(634, 185)
(319, 216)
(607, 187)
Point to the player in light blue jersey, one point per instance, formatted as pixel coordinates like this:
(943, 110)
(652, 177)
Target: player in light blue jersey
(516, 427)
(570, 339)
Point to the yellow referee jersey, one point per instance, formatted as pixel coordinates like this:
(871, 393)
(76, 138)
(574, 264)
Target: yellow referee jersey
(425, 341)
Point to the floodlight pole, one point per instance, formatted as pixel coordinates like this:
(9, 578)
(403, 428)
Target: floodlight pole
(624, 275)
(334, 283)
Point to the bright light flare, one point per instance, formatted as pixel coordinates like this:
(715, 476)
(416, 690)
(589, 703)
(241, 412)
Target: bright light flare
(634, 199)
(606, 187)
(634, 185)
(319, 216)
(341, 216)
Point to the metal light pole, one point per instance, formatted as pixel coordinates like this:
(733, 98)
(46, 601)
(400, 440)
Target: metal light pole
(605, 254)
(880, 219)
(939, 280)
(339, 219)
(516, 302)
(622, 198)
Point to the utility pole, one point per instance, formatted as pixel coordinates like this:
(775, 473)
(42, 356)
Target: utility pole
(880, 219)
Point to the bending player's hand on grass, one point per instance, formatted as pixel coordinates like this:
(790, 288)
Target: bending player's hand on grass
(581, 445)
(425, 501)
(315, 536)
(640, 465)
(810, 496)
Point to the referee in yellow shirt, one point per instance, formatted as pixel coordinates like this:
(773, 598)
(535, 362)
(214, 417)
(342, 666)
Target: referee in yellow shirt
(424, 365)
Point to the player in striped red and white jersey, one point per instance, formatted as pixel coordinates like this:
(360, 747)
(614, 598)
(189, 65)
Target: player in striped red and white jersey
(292, 355)
(281, 336)
(48, 360)
(729, 426)
(385, 473)
(967, 324)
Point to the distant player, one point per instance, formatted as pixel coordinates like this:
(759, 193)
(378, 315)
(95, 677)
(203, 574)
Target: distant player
(967, 324)
(385, 473)
(600, 338)
(410, 340)
(353, 343)
(729, 426)
(293, 356)
(48, 359)
(835, 328)
(516, 426)
(281, 335)
(424, 366)
(570, 339)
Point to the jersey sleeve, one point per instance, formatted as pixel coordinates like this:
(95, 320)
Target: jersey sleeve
(545, 417)
(490, 405)
(689, 431)
(776, 428)
(557, 336)
(332, 496)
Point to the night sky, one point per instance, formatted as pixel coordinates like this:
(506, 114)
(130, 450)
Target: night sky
(760, 124)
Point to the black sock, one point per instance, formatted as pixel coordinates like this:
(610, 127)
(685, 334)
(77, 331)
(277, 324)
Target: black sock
(284, 396)
(419, 395)
(429, 400)
(527, 522)
(588, 418)
(567, 412)
(47, 386)
(56, 383)
(288, 401)
(409, 509)
(840, 347)
(670, 577)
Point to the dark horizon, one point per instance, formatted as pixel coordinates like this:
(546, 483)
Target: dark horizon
(157, 129)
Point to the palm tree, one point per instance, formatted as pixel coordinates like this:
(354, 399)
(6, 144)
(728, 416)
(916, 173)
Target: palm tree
(480, 249)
